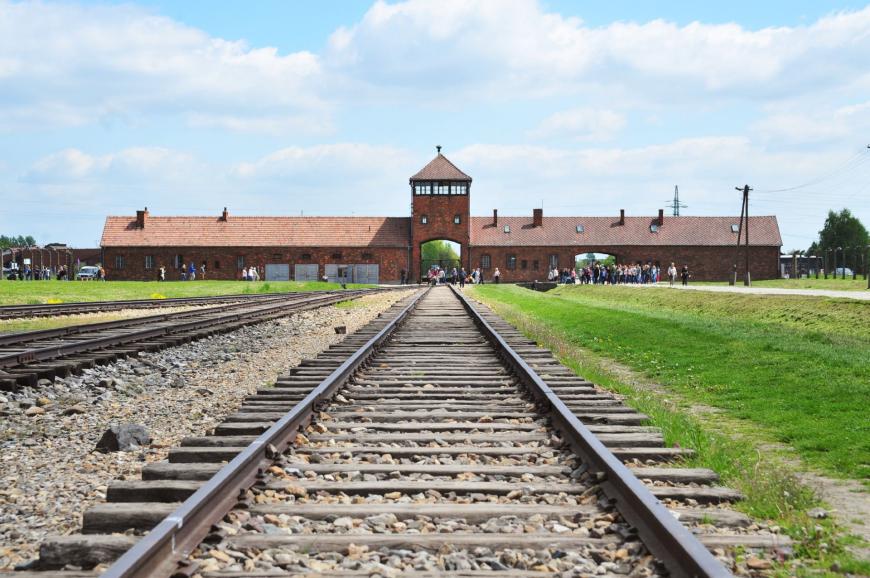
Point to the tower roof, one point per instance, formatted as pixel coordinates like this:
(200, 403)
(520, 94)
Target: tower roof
(440, 169)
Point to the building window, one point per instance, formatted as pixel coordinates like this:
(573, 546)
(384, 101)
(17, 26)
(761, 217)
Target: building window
(735, 228)
(336, 256)
(240, 262)
(149, 261)
(653, 228)
(178, 262)
(580, 228)
(553, 261)
(119, 261)
(424, 219)
(457, 219)
(535, 265)
(423, 188)
(524, 264)
(507, 228)
(276, 256)
(443, 189)
(368, 257)
(217, 264)
(458, 189)
(511, 262)
(485, 262)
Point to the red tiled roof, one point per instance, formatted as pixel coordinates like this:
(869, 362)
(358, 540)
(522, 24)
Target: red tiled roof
(562, 231)
(440, 169)
(257, 232)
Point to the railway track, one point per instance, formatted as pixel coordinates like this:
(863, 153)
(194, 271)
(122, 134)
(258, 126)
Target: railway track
(436, 441)
(78, 308)
(27, 357)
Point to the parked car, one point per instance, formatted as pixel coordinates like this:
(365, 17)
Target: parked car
(87, 273)
(839, 272)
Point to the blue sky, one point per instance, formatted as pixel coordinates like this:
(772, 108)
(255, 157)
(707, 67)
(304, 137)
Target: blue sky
(326, 108)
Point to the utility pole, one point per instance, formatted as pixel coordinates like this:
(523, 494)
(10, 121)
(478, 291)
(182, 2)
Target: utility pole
(675, 204)
(744, 215)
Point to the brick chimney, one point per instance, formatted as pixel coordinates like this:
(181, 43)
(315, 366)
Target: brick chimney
(538, 217)
(225, 215)
(621, 216)
(140, 218)
(661, 217)
(495, 217)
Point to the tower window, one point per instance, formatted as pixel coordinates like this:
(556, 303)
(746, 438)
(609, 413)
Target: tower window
(443, 188)
(424, 219)
(457, 219)
(457, 189)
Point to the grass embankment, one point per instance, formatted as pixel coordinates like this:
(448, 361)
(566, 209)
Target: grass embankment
(792, 369)
(811, 283)
(36, 292)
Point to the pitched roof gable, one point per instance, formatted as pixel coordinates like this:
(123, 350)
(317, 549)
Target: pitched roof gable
(440, 169)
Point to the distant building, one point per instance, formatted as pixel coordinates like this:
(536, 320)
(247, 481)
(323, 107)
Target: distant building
(377, 249)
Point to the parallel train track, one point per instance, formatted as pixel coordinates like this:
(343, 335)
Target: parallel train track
(78, 308)
(436, 441)
(27, 357)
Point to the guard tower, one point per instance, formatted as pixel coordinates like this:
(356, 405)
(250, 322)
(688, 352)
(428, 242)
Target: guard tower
(440, 208)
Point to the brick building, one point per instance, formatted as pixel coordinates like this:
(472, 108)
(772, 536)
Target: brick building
(378, 249)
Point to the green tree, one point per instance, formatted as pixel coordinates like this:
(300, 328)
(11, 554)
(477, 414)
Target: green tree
(841, 230)
(16, 241)
(439, 251)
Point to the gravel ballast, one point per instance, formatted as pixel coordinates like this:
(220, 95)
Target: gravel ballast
(51, 472)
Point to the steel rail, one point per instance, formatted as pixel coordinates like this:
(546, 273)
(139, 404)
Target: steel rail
(27, 336)
(667, 539)
(78, 346)
(43, 309)
(158, 553)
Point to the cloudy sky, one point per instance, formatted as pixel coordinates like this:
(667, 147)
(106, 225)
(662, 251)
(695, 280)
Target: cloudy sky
(327, 108)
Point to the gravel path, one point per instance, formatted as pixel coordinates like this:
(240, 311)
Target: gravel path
(860, 295)
(50, 473)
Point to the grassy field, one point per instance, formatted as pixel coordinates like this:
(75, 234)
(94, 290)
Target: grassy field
(812, 283)
(797, 367)
(35, 292)
(744, 354)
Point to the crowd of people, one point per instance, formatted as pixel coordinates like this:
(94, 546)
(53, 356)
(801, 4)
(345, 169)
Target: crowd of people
(458, 276)
(597, 273)
(28, 273)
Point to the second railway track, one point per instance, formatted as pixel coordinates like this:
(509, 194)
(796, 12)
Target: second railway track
(27, 357)
(437, 441)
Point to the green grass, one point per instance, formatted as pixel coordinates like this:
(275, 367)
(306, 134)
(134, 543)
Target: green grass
(812, 283)
(578, 331)
(797, 367)
(38, 292)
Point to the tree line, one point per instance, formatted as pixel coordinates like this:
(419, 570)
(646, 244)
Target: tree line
(841, 229)
(16, 241)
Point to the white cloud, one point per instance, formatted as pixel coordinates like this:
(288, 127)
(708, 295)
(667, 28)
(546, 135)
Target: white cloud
(155, 164)
(582, 124)
(495, 47)
(807, 124)
(70, 65)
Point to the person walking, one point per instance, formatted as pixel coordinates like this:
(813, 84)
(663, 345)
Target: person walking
(672, 274)
(191, 271)
(685, 274)
(403, 276)
(497, 275)
(161, 275)
(202, 271)
(462, 278)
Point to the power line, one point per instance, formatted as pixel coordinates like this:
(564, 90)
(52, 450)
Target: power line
(676, 205)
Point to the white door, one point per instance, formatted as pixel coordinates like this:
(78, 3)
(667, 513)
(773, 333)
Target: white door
(277, 272)
(306, 272)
